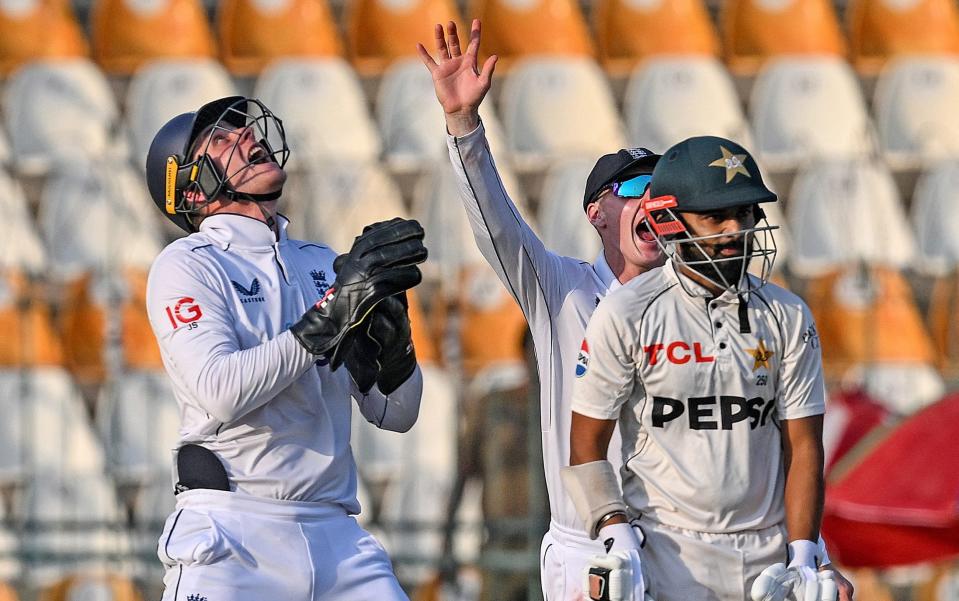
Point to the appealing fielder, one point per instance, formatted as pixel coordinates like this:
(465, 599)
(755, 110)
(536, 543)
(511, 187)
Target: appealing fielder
(715, 378)
(557, 294)
(252, 327)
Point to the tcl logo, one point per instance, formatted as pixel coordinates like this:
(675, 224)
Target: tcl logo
(678, 352)
(185, 311)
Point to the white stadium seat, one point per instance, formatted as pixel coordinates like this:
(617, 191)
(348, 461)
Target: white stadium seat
(558, 106)
(566, 231)
(345, 197)
(98, 217)
(804, 108)
(672, 98)
(412, 123)
(424, 468)
(915, 104)
(50, 448)
(165, 88)
(139, 423)
(20, 246)
(60, 112)
(437, 205)
(843, 212)
(935, 213)
(323, 110)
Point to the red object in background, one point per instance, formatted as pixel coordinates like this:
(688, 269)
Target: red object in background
(899, 504)
(856, 415)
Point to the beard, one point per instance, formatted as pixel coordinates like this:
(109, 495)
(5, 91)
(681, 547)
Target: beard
(712, 265)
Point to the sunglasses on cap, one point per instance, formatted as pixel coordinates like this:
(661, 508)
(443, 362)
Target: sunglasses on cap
(632, 188)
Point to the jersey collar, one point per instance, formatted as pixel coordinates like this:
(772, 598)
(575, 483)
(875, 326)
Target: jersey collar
(605, 274)
(239, 231)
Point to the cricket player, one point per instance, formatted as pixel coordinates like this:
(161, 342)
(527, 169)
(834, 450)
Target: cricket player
(557, 294)
(715, 379)
(253, 328)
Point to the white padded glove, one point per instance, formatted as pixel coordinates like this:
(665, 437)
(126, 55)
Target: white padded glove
(800, 580)
(618, 575)
(802, 583)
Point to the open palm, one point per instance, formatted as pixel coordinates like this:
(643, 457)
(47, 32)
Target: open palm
(459, 86)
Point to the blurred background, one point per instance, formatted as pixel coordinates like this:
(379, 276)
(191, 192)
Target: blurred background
(851, 107)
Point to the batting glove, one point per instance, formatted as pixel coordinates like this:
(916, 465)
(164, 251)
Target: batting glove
(800, 581)
(618, 575)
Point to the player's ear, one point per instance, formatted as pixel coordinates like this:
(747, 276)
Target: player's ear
(596, 214)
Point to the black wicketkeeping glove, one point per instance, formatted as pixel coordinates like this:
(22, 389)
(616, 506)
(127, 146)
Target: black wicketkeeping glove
(381, 263)
(381, 350)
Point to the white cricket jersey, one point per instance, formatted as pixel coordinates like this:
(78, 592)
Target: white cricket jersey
(221, 302)
(557, 295)
(699, 398)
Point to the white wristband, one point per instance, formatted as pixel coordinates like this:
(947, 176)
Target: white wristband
(803, 553)
(619, 537)
(823, 554)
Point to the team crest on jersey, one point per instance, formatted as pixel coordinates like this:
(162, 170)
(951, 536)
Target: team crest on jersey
(251, 294)
(761, 355)
(319, 280)
(582, 359)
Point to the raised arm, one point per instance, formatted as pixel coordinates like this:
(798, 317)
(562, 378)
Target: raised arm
(534, 276)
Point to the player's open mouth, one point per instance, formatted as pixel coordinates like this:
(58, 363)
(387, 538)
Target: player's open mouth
(645, 235)
(257, 154)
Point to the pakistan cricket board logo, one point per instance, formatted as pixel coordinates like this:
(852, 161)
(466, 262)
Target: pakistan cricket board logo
(582, 359)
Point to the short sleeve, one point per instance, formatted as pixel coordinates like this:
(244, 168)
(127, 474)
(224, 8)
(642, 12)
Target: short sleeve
(802, 390)
(606, 367)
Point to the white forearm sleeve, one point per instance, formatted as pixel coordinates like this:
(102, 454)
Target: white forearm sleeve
(594, 491)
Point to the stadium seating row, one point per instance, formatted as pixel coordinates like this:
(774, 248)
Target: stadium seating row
(251, 33)
(801, 109)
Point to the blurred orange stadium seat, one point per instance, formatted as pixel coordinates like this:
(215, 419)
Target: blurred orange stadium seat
(513, 29)
(426, 345)
(628, 31)
(755, 30)
(880, 29)
(8, 593)
(127, 34)
(91, 307)
(867, 315)
(378, 31)
(110, 587)
(42, 29)
(491, 323)
(252, 34)
(29, 338)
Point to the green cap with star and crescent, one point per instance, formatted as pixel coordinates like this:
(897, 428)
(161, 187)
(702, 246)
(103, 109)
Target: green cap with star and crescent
(706, 173)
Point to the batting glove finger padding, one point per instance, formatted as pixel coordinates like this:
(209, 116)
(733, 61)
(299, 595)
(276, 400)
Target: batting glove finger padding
(801, 583)
(381, 263)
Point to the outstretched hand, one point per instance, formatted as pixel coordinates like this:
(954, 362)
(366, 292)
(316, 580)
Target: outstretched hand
(460, 86)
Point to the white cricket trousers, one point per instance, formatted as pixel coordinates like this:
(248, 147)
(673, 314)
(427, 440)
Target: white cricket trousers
(562, 561)
(224, 546)
(686, 565)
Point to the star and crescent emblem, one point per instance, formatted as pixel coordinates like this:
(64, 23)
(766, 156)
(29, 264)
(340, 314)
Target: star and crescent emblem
(732, 163)
(761, 355)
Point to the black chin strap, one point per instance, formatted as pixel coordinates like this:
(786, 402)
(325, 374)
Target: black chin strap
(234, 195)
